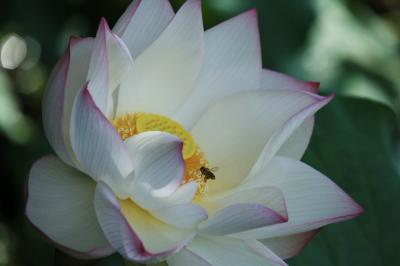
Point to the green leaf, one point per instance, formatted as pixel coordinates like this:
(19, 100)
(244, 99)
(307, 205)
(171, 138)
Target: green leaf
(352, 144)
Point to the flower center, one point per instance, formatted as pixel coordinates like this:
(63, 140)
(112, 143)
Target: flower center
(197, 168)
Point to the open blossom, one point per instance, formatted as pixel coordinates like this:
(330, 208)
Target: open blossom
(174, 144)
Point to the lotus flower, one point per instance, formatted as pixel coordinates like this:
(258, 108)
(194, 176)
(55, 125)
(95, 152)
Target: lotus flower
(173, 144)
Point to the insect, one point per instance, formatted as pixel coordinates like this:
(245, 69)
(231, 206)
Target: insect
(208, 173)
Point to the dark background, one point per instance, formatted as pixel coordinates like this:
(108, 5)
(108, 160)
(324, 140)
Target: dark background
(351, 47)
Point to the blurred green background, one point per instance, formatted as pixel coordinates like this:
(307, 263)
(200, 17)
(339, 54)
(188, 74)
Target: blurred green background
(352, 47)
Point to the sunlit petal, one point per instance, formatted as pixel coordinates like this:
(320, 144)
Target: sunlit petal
(234, 131)
(232, 63)
(165, 72)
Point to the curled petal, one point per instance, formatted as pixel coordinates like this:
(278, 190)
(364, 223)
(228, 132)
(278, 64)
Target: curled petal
(60, 205)
(289, 132)
(99, 149)
(296, 144)
(133, 232)
(159, 166)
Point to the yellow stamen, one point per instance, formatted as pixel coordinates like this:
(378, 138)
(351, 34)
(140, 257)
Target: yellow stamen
(132, 124)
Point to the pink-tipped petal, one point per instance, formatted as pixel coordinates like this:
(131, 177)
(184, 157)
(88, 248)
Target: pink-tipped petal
(60, 205)
(185, 257)
(234, 131)
(291, 245)
(53, 109)
(233, 252)
(290, 135)
(142, 23)
(98, 147)
(295, 145)
(159, 167)
(164, 74)
(80, 52)
(67, 77)
(134, 233)
(312, 199)
(232, 63)
(272, 80)
(123, 22)
(314, 86)
(109, 63)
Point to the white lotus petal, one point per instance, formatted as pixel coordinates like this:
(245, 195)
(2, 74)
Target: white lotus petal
(159, 166)
(232, 63)
(133, 232)
(233, 252)
(264, 251)
(279, 138)
(278, 81)
(289, 246)
(183, 216)
(296, 144)
(80, 51)
(186, 257)
(66, 79)
(183, 195)
(142, 23)
(312, 199)
(165, 72)
(60, 204)
(240, 217)
(233, 132)
(110, 61)
(270, 197)
(53, 109)
(97, 145)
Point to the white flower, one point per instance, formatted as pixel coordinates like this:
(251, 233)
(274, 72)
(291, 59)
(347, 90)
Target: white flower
(140, 116)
